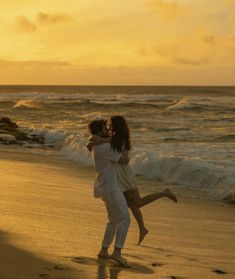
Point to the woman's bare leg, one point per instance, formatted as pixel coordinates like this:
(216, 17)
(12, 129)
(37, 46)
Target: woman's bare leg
(142, 201)
(135, 202)
(139, 218)
(137, 214)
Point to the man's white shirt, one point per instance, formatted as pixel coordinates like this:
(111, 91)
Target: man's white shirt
(105, 160)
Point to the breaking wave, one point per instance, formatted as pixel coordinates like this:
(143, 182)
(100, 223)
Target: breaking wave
(217, 181)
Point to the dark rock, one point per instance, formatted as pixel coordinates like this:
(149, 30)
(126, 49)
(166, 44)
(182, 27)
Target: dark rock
(9, 142)
(11, 134)
(7, 121)
(22, 136)
(7, 128)
(37, 139)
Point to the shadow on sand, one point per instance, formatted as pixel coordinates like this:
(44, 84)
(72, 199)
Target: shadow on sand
(21, 264)
(108, 269)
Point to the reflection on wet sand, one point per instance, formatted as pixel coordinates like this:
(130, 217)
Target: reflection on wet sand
(108, 269)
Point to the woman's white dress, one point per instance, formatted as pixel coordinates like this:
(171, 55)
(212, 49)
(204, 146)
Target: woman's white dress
(126, 177)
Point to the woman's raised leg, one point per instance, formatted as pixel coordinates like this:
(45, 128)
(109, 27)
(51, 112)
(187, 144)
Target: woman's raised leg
(142, 201)
(129, 195)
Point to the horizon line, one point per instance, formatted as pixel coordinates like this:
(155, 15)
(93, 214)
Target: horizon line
(122, 85)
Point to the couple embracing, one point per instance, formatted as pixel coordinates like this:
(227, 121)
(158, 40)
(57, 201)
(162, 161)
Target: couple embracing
(115, 183)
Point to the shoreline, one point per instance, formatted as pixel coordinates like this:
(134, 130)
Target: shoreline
(146, 186)
(52, 227)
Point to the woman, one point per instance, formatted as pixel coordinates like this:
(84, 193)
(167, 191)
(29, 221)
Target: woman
(120, 140)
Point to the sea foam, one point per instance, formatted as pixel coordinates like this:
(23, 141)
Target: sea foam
(196, 174)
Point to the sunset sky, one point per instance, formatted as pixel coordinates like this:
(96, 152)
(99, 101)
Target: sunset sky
(146, 42)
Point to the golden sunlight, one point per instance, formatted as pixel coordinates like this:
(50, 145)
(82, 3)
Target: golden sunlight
(117, 42)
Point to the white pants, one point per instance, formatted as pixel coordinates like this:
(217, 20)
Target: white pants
(119, 219)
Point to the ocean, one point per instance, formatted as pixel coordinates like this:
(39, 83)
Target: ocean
(181, 135)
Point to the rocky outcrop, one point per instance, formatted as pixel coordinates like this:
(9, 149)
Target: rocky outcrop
(10, 133)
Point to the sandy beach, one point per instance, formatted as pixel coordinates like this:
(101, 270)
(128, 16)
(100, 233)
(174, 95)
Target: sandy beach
(52, 227)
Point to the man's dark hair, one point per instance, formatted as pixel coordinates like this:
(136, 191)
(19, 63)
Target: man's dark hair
(96, 126)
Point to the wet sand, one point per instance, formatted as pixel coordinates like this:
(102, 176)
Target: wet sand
(52, 227)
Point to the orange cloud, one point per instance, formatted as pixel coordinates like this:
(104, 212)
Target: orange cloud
(44, 18)
(192, 62)
(25, 24)
(229, 2)
(162, 50)
(142, 51)
(34, 63)
(169, 8)
(63, 72)
(213, 40)
(167, 50)
(209, 39)
(174, 54)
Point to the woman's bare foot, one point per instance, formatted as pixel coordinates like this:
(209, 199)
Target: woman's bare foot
(142, 235)
(167, 193)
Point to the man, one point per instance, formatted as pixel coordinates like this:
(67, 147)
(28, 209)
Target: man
(106, 187)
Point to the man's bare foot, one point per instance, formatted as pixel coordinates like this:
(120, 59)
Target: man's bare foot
(142, 235)
(167, 193)
(117, 256)
(103, 254)
(119, 259)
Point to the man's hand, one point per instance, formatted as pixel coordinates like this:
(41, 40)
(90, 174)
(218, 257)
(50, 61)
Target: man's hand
(96, 139)
(124, 159)
(93, 140)
(89, 145)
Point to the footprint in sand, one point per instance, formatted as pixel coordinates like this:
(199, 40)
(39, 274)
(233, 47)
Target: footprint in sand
(160, 249)
(43, 275)
(219, 271)
(54, 272)
(85, 260)
(79, 260)
(56, 267)
(192, 259)
(157, 264)
(47, 268)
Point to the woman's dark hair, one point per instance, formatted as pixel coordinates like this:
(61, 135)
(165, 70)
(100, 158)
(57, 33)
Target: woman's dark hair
(121, 134)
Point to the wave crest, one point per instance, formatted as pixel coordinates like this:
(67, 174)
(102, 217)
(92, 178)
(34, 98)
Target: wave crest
(195, 174)
(28, 103)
